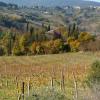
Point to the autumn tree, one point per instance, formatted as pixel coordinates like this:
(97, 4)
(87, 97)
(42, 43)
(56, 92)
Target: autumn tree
(16, 48)
(74, 44)
(7, 42)
(33, 48)
(23, 42)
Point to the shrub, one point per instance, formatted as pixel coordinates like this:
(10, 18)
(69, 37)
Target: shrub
(39, 49)
(84, 36)
(2, 51)
(94, 74)
(90, 46)
(93, 79)
(48, 94)
(75, 45)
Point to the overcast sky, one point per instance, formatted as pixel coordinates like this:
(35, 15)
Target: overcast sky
(89, 0)
(33, 0)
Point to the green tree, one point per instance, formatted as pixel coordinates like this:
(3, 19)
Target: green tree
(7, 42)
(73, 29)
(16, 49)
(27, 26)
(48, 27)
(31, 31)
(69, 31)
(24, 44)
(2, 51)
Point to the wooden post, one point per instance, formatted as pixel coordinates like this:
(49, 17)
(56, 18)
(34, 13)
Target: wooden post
(19, 97)
(16, 82)
(52, 82)
(16, 78)
(1, 84)
(7, 83)
(5, 68)
(62, 81)
(23, 84)
(17, 87)
(28, 87)
(76, 86)
(52, 78)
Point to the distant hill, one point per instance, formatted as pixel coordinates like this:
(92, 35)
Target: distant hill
(82, 3)
(2, 4)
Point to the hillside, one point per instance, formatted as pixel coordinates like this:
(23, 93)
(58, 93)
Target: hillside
(88, 19)
(2, 4)
(49, 3)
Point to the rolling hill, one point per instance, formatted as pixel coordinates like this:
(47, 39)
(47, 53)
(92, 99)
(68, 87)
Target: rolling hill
(82, 3)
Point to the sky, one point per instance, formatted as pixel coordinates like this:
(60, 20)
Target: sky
(95, 0)
(87, 0)
(33, 0)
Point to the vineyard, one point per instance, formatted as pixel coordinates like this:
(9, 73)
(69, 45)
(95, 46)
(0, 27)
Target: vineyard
(20, 77)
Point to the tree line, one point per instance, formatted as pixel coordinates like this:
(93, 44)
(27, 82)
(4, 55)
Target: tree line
(43, 40)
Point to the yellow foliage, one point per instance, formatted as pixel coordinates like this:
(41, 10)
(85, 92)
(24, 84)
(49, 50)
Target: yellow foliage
(33, 47)
(70, 39)
(57, 43)
(84, 36)
(74, 45)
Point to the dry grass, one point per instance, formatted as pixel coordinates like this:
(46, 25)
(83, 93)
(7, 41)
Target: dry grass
(40, 69)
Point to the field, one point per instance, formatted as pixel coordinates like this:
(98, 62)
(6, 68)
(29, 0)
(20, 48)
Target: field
(41, 71)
